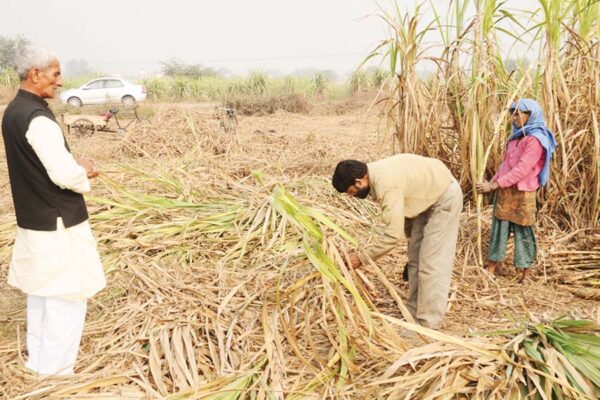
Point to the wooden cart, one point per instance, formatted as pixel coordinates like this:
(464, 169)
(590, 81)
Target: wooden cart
(84, 125)
(87, 125)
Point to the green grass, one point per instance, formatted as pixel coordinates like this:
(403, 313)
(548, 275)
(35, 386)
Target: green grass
(218, 89)
(211, 88)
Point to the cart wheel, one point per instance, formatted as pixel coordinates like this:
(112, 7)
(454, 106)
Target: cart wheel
(82, 127)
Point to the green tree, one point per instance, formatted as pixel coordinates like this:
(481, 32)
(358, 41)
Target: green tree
(174, 67)
(9, 48)
(78, 67)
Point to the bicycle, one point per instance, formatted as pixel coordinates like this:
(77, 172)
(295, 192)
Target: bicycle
(227, 119)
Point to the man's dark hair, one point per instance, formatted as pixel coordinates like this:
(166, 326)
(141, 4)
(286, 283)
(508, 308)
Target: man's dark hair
(346, 173)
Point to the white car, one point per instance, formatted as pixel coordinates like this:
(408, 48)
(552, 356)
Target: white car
(105, 90)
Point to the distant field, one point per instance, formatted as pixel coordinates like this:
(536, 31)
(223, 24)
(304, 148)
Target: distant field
(215, 88)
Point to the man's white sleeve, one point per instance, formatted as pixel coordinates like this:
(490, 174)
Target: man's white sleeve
(46, 139)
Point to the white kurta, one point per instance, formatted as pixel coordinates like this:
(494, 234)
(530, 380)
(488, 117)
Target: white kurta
(62, 263)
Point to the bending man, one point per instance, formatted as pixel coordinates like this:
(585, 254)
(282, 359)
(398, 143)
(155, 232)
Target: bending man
(419, 198)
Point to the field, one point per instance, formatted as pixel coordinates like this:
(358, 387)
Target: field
(179, 88)
(223, 285)
(226, 253)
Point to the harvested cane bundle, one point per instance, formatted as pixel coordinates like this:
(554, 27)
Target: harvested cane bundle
(553, 360)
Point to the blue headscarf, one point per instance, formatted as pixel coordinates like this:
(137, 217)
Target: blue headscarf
(536, 127)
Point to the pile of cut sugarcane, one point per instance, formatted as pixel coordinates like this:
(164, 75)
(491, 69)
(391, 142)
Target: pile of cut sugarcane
(557, 359)
(246, 295)
(223, 286)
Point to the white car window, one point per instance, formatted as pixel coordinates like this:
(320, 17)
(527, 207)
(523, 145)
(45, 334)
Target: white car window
(95, 85)
(113, 83)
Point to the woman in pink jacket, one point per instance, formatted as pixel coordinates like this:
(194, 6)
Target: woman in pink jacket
(525, 168)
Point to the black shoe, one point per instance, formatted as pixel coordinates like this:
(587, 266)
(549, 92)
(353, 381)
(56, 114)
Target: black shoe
(405, 273)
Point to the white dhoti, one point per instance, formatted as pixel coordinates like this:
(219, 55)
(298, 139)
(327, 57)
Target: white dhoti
(59, 271)
(54, 328)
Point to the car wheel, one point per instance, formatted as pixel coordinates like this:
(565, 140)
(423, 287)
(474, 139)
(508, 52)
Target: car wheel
(128, 101)
(74, 101)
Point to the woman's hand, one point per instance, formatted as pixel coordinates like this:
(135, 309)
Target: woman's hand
(486, 187)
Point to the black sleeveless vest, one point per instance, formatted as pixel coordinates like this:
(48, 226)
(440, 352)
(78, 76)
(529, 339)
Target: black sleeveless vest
(38, 201)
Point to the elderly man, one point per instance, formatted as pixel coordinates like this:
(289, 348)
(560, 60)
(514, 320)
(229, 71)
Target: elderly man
(55, 260)
(419, 197)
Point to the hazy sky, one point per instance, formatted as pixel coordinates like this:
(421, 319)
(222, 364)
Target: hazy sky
(129, 36)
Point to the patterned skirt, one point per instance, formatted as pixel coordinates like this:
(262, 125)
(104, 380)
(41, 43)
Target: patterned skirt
(516, 206)
(510, 218)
